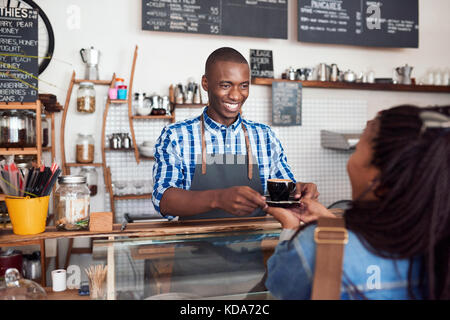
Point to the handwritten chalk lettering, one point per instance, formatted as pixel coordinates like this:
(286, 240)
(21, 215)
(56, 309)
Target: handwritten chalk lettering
(10, 31)
(6, 48)
(24, 24)
(11, 12)
(5, 23)
(326, 5)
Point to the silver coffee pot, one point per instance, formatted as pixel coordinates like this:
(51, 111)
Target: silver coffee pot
(323, 72)
(91, 58)
(404, 74)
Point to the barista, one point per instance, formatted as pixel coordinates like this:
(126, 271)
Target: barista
(217, 165)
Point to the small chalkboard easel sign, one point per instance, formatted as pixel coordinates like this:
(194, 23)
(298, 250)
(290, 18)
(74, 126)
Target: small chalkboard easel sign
(261, 63)
(286, 103)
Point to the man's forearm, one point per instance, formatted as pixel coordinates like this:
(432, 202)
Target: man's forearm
(180, 202)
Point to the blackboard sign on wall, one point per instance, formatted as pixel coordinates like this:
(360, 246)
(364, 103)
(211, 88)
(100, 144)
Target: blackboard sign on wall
(381, 23)
(248, 18)
(261, 63)
(286, 103)
(18, 55)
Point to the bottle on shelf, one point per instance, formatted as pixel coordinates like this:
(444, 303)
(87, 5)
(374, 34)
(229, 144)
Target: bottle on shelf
(45, 131)
(85, 148)
(91, 179)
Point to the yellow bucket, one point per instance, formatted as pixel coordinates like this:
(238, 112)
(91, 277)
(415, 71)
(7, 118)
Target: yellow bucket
(28, 215)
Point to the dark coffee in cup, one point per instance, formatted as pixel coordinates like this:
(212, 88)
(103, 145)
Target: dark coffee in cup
(280, 189)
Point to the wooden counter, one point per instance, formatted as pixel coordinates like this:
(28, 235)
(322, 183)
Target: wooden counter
(148, 229)
(69, 294)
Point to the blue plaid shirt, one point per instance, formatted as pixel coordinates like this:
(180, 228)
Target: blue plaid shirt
(178, 147)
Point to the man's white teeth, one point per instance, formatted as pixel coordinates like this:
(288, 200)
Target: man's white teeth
(232, 106)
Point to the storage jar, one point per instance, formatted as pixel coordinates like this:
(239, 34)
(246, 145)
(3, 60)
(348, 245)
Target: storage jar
(72, 203)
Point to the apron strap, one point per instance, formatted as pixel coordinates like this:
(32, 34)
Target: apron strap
(249, 153)
(330, 237)
(247, 145)
(203, 147)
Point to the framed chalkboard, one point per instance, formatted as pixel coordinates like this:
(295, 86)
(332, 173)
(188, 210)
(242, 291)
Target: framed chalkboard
(18, 55)
(286, 103)
(261, 63)
(381, 23)
(255, 18)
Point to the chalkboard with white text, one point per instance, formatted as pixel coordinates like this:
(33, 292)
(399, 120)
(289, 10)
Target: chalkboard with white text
(247, 18)
(286, 103)
(381, 23)
(18, 54)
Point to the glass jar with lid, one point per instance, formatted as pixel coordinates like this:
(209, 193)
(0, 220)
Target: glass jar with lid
(14, 129)
(91, 179)
(85, 148)
(86, 98)
(31, 128)
(4, 129)
(27, 159)
(45, 131)
(14, 287)
(72, 203)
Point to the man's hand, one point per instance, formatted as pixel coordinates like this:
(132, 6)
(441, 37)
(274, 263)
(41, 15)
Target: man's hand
(240, 200)
(306, 191)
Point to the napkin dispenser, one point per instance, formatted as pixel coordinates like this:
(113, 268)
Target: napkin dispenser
(338, 141)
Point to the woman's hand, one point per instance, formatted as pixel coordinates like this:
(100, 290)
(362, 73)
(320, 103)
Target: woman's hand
(289, 218)
(292, 218)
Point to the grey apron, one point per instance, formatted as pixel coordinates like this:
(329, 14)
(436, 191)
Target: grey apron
(220, 266)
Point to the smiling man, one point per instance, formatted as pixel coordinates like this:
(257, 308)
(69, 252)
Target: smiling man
(217, 165)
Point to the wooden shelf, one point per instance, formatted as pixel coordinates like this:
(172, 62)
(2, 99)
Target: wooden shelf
(192, 105)
(147, 158)
(120, 150)
(48, 149)
(84, 164)
(101, 82)
(153, 117)
(11, 151)
(119, 101)
(132, 196)
(357, 86)
(21, 106)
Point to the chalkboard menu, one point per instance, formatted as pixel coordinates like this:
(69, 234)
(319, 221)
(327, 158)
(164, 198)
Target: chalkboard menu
(249, 18)
(381, 23)
(18, 54)
(286, 103)
(261, 63)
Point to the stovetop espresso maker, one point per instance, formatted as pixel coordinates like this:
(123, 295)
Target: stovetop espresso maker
(91, 57)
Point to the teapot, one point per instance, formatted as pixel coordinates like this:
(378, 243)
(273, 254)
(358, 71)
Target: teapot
(349, 76)
(404, 73)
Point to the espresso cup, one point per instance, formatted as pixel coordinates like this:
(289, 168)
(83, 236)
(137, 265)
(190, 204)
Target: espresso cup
(280, 189)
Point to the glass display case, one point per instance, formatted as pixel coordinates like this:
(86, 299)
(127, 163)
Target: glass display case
(200, 265)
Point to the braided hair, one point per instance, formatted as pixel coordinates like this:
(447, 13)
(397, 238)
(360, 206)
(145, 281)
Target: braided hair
(411, 217)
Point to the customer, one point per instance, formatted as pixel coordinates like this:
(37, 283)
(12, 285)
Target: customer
(399, 220)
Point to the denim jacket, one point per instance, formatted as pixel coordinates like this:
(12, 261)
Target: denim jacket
(291, 270)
